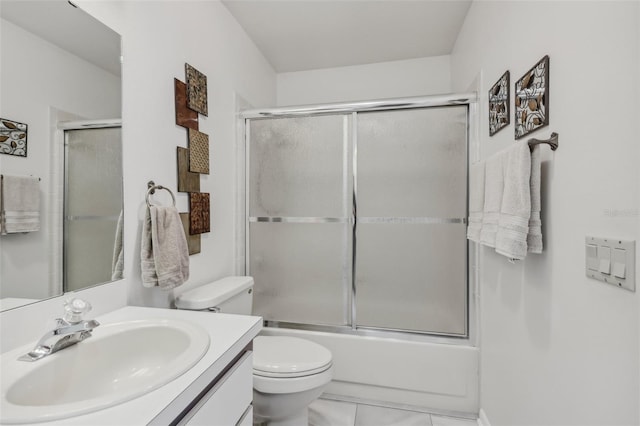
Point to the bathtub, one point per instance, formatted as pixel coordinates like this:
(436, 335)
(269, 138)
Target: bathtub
(440, 378)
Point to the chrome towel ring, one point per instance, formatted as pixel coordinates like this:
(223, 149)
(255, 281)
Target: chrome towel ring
(152, 189)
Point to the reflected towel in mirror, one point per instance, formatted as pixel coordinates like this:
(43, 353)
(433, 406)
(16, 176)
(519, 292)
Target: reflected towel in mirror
(20, 204)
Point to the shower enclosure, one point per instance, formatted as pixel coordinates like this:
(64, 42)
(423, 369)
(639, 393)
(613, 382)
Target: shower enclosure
(355, 216)
(92, 223)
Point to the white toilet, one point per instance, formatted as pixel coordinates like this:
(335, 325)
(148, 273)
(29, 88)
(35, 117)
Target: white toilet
(288, 372)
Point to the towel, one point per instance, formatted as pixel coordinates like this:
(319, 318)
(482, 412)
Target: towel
(534, 237)
(515, 210)
(117, 264)
(164, 254)
(476, 201)
(20, 201)
(493, 189)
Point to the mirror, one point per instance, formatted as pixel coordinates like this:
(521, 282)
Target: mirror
(60, 76)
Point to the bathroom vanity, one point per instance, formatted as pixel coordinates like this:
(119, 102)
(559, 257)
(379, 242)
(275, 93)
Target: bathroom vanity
(216, 390)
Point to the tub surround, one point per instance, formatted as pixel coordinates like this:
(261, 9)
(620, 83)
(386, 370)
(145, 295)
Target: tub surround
(229, 334)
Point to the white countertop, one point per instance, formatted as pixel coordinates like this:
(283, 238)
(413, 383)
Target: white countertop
(229, 334)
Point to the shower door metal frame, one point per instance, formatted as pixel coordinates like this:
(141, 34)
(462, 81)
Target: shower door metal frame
(352, 109)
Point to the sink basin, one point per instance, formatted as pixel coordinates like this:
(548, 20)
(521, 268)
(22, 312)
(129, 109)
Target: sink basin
(120, 362)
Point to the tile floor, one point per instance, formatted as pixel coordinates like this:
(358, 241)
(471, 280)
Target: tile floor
(325, 412)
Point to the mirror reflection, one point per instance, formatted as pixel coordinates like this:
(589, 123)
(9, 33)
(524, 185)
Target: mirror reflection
(60, 76)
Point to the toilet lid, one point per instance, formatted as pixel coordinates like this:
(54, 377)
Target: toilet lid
(282, 356)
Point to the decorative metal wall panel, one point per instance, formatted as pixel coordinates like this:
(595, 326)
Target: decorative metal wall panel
(499, 116)
(187, 181)
(185, 117)
(198, 152)
(13, 138)
(532, 99)
(199, 213)
(196, 90)
(193, 241)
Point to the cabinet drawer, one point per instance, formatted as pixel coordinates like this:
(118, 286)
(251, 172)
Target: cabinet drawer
(227, 401)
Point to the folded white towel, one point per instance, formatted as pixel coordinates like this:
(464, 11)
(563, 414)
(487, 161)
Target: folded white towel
(534, 237)
(476, 201)
(515, 210)
(493, 189)
(20, 200)
(164, 254)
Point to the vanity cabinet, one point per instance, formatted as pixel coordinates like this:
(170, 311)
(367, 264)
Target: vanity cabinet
(222, 399)
(229, 400)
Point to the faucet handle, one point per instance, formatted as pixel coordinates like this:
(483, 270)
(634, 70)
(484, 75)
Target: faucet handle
(74, 310)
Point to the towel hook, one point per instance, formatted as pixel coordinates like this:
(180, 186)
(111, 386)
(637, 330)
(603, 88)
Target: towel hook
(152, 190)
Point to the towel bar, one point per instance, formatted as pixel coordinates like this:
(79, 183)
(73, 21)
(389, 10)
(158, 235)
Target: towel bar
(152, 189)
(552, 141)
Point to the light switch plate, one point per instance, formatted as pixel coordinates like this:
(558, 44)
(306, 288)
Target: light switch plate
(615, 260)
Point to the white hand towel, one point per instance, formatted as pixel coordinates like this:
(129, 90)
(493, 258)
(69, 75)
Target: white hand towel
(476, 201)
(534, 237)
(117, 262)
(493, 190)
(164, 254)
(20, 199)
(513, 223)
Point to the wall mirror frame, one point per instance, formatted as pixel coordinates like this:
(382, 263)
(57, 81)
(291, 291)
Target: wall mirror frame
(61, 75)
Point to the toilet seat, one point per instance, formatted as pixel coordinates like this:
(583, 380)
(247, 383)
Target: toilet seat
(288, 357)
(274, 385)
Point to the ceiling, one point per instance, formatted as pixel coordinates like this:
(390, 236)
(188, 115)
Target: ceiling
(297, 35)
(68, 27)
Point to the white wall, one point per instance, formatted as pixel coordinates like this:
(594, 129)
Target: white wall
(158, 38)
(36, 76)
(556, 347)
(412, 77)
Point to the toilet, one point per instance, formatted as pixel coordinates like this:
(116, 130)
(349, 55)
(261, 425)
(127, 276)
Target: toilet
(288, 372)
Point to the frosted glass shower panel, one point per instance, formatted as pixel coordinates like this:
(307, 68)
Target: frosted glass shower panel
(412, 163)
(298, 166)
(94, 172)
(301, 271)
(412, 277)
(93, 205)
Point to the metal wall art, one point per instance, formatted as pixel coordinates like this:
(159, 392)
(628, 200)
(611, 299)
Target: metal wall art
(13, 138)
(193, 241)
(187, 181)
(499, 116)
(185, 117)
(532, 99)
(191, 99)
(196, 90)
(198, 152)
(199, 213)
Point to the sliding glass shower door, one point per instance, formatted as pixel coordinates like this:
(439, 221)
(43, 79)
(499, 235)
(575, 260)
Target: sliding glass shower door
(356, 220)
(299, 228)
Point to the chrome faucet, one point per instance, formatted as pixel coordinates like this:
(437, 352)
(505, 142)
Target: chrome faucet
(69, 330)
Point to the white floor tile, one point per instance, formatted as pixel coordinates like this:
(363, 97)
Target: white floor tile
(452, 421)
(324, 412)
(368, 415)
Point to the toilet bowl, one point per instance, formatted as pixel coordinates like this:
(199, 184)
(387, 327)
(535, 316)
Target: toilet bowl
(288, 372)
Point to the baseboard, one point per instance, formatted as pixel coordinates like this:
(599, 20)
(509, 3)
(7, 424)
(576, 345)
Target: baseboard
(483, 420)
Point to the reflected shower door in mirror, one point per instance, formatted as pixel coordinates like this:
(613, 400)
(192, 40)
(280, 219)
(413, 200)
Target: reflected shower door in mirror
(57, 64)
(93, 215)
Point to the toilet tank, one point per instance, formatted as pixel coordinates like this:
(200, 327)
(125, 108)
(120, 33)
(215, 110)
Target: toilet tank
(230, 295)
